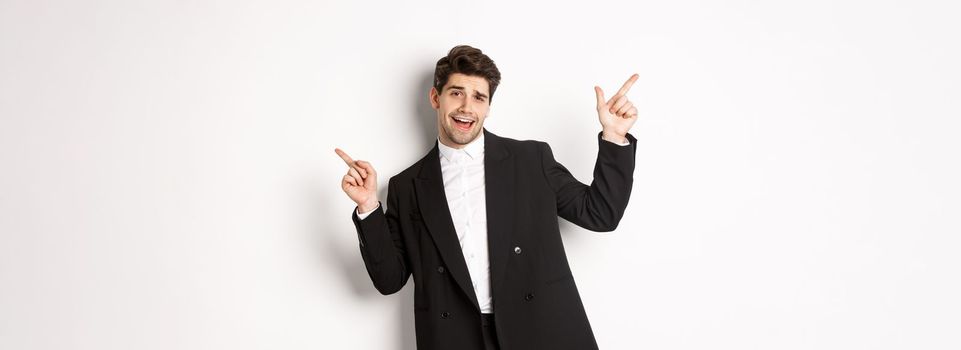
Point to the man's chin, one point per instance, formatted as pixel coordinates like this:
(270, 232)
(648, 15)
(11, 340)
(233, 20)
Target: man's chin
(462, 138)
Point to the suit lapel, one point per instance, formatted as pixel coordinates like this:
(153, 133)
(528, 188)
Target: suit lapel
(499, 188)
(499, 184)
(432, 201)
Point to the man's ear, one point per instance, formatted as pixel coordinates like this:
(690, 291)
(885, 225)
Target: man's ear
(433, 96)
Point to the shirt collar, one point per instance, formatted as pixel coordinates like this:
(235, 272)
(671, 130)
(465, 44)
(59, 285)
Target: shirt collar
(473, 149)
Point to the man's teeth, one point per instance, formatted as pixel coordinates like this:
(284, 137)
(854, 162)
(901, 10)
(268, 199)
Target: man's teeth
(463, 120)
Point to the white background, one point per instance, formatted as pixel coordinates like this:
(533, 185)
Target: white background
(169, 181)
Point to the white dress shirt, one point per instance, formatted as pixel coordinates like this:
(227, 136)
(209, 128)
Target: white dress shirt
(464, 186)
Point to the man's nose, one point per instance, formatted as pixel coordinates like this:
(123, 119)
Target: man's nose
(464, 107)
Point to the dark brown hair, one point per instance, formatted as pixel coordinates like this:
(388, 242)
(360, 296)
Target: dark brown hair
(466, 60)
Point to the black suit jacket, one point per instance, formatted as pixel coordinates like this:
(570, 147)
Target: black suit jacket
(536, 302)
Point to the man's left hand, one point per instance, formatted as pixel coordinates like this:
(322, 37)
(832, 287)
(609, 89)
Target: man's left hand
(618, 114)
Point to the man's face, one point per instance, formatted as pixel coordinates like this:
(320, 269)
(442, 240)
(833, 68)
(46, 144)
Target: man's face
(463, 98)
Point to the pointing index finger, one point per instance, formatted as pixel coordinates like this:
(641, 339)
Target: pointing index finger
(345, 157)
(627, 85)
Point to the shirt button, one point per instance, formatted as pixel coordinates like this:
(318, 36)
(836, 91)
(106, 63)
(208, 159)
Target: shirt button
(529, 296)
(445, 315)
(440, 269)
(517, 250)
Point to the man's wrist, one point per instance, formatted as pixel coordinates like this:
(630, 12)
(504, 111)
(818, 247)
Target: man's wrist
(613, 137)
(367, 207)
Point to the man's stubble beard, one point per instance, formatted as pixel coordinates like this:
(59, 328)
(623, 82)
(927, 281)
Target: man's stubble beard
(458, 138)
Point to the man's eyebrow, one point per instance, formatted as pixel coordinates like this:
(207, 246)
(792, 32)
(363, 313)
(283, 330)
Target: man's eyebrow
(458, 87)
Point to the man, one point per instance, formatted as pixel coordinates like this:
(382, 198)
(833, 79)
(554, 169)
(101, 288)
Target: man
(475, 220)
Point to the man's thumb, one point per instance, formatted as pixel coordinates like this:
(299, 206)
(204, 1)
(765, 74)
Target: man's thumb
(600, 96)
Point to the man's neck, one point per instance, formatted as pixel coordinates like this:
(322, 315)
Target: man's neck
(453, 145)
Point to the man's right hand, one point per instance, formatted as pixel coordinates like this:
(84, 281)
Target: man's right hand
(360, 183)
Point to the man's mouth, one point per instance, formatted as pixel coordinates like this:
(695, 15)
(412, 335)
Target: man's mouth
(463, 123)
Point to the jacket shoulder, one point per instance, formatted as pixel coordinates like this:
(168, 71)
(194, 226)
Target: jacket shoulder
(407, 175)
(527, 148)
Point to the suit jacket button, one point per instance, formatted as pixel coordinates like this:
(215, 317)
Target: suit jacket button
(529, 296)
(440, 269)
(445, 315)
(517, 250)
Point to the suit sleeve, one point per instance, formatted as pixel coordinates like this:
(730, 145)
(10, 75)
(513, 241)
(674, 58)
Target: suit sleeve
(382, 246)
(600, 206)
